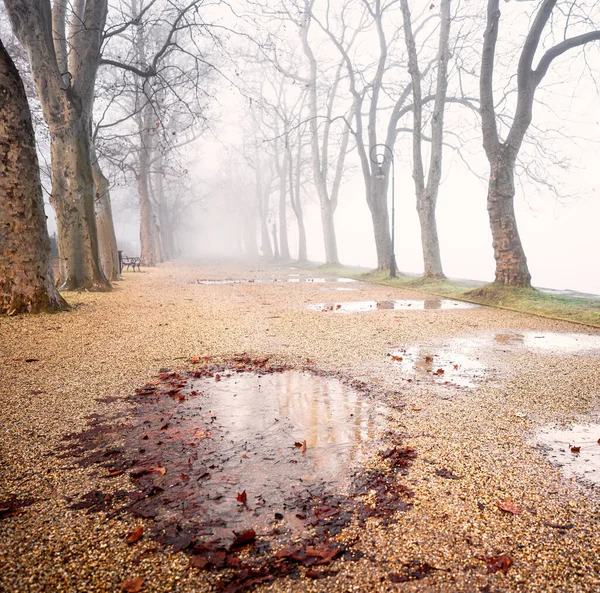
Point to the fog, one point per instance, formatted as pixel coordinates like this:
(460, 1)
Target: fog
(557, 214)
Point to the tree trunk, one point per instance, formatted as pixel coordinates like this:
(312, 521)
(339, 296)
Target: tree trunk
(107, 240)
(73, 197)
(381, 222)
(511, 263)
(147, 255)
(283, 235)
(26, 279)
(275, 247)
(429, 236)
(331, 251)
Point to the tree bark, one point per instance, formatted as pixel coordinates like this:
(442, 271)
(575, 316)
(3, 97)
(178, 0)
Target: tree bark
(66, 98)
(511, 263)
(381, 223)
(147, 255)
(430, 243)
(73, 197)
(107, 240)
(26, 278)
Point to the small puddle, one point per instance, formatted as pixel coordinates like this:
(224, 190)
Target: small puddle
(550, 341)
(575, 450)
(291, 279)
(318, 280)
(398, 304)
(442, 366)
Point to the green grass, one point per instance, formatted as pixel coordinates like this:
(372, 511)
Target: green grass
(525, 300)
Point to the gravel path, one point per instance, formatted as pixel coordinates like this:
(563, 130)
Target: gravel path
(111, 344)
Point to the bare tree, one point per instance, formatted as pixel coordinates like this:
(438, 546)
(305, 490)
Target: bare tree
(26, 278)
(427, 192)
(511, 263)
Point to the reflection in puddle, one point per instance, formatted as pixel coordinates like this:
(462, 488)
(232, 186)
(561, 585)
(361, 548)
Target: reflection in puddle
(575, 450)
(239, 434)
(398, 304)
(443, 366)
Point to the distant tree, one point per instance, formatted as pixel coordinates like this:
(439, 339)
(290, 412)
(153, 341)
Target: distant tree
(26, 278)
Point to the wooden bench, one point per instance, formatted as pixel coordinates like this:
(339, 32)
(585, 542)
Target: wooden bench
(130, 262)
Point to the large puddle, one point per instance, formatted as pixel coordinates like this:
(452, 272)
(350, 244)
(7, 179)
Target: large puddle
(575, 450)
(390, 305)
(271, 436)
(252, 457)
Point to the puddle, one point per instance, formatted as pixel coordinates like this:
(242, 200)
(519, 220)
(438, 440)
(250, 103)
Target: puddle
(562, 446)
(550, 341)
(274, 280)
(248, 456)
(316, 280)
(398, 304)
(442, 366)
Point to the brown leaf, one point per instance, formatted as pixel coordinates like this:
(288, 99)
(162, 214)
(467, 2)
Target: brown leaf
(157, 470)
(575, 449)
(509, 506)
(498, 563)
(397, 358)
(303, 450)
(217, 377)
(241, 539)
(320, 574)
(133, 585)
(243, 497)
(135, 535)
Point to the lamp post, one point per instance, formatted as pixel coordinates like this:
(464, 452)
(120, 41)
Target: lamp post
(380, 154)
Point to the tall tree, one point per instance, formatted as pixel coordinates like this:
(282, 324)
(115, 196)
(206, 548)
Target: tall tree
(26, 278)
(511, 263)
(64, 70)
(427, 192)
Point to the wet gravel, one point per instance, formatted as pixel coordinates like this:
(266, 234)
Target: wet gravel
(473, 445)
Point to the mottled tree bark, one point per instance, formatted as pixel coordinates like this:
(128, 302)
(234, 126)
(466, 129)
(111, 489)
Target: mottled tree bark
(66, 97)
(107, 240)
(26, 279)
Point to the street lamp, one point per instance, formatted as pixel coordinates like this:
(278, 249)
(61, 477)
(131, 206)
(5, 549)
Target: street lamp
(380, 154)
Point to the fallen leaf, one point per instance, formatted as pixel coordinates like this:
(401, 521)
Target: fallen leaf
(217, 377)
(133, 585)
(243, 497)
(575, 449)
(241, 539)
(157, 470)
(320, 574)
(303, 450)
(509, 507)
(244, 456)
(135, 535)
(498, 563)
(397, 358)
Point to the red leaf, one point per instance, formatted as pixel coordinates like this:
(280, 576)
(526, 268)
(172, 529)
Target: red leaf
(303, 450)
(134, 536)
(509, 507)
(241, 539)
(217, 377)
(243, 497)
(397, 358)
(133, 585)
(575, 449)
